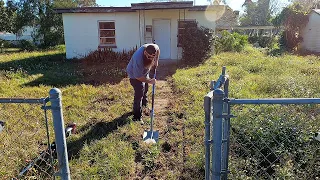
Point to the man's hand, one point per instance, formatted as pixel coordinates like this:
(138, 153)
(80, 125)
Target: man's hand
(152, 81)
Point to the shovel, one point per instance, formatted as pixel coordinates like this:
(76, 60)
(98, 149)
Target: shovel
(151, 136)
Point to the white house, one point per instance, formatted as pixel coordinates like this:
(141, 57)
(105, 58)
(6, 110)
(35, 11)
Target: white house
(87, 29)
(311, 33)
(26, 34)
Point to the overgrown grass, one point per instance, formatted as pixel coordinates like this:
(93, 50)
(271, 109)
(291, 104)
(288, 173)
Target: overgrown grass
(107, 140)
(254, 75)
(108, 145)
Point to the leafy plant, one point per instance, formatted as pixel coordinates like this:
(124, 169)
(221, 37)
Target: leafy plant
(196, 43)
(27, 45)
(230, 42)
(294, 19)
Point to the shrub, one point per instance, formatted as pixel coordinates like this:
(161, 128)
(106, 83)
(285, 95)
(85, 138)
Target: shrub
(253, 39)
(107, 55)
(293, 19)
(265, 41)
(27, 45)
(230, 42)
(196, 43)
(106, 65)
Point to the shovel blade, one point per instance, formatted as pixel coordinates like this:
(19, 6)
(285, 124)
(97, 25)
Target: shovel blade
(151, 136)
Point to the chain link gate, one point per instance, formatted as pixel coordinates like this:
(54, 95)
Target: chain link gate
(268, 138)
(28, 149)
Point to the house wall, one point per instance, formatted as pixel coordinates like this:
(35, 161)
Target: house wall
(26, 35)
(205, 18)
(311, 33)
(81, 29)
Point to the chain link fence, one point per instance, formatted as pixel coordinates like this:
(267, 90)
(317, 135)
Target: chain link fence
(24, 140)
(274, 142)
(33, 144)
(271, 138)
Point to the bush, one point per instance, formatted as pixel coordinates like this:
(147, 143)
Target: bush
(230, 42)
(106, 65)
(27, 45)
(265, 41)
(253, 39)
(107, 55)
(196, 43)
(7, 44)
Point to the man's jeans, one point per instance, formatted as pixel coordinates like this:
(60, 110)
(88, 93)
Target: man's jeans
(140, 97)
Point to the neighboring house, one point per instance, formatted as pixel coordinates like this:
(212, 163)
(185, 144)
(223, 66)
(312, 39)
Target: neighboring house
(311, 33)
(26, 34)
(90, 28)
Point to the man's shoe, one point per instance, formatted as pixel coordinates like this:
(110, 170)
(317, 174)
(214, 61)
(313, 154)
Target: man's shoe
(138, 120)
(146, 111)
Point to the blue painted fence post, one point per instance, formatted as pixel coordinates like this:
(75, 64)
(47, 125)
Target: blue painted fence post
(58, 123)
(218, 96)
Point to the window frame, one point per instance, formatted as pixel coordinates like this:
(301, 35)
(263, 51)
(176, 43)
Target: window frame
(179, 28)
(114, 37)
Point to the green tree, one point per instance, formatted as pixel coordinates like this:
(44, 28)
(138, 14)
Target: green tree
(11, 11)
(3, 17)
(256, 13)
(41, 15)
(293, 18)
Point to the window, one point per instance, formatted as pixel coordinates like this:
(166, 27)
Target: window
(107, 33)
(181, 27)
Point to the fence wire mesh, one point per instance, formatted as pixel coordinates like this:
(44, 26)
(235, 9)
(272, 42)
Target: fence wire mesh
(24, 147)
(274, 142)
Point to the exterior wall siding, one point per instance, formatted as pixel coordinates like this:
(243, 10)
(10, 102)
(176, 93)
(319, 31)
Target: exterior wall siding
(311, 34)
(82, 36)
(81, 31)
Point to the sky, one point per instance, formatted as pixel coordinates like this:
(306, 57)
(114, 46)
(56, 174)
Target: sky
(234, 4)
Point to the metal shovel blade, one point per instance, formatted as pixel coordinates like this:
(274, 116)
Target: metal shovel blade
(151, 137)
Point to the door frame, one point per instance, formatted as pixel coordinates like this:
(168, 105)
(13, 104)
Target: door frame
(153, 29)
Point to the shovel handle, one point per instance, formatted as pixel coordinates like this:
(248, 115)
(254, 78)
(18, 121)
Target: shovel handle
(153, 92)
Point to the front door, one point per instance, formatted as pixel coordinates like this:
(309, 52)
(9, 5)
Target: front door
(161, 37)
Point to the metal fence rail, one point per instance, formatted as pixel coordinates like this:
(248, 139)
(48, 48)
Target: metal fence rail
(27, 150)
(268, 138)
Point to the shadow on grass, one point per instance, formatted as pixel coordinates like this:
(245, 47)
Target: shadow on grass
(96, 131)
(56, 70)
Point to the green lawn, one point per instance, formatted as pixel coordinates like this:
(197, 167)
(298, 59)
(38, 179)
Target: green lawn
(255, 75)
(108, 144)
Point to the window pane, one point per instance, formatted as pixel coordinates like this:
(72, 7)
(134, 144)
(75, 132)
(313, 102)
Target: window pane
(107, 41)
(106, 25)
(107, 33)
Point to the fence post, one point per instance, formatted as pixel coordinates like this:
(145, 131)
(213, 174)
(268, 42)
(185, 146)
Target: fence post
(207, 121)
(58, 123)
(218, 96)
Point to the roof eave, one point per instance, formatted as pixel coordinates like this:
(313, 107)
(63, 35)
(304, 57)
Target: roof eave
(162, 5)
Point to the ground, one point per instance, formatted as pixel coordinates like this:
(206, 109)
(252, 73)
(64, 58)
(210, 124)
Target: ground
(164, 99)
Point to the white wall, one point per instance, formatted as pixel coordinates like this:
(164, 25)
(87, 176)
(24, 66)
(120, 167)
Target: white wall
(26, 35)
(205, 18)
(311, 33)
(81, 29)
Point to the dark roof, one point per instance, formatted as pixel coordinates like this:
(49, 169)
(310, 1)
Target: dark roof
(206, 8)
(162, 5)
(140, 6)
